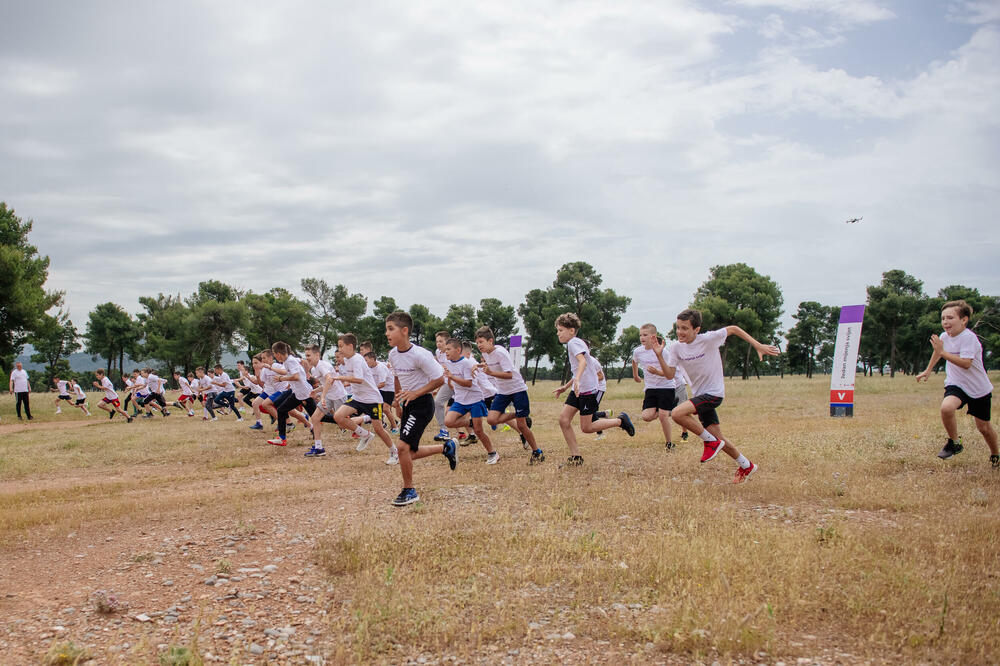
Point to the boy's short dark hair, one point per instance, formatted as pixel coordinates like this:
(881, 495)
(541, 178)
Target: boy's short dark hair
(99, 372)
(453, 342)
(366, 343)
(349, 339)
(466, 345)
(312, 348)
(964, 309)
(370, 354)
(400, 319)
(177, 373)
(199, 369)
(218, 366)
(281, 348)
(484, 332)
(692, 316)
(568, 320)
(442, 334)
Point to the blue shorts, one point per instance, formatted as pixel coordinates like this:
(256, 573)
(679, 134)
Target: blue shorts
(522, 406)
(476, 409)
(274, 397)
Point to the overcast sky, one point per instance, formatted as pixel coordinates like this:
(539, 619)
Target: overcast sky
(443, 152)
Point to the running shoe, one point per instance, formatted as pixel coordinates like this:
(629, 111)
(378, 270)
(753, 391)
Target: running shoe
(743, 474)
(536, 457)
(995, 462)
(406, 496)
(128, 419)
(627, 424)
(599, 435)
(684, 436)
(256, 426)
(951, 449)
(278, 441)
(393, 458)
(492, 458)
(442, 436)
(313, 452)
(461, 436)
(572, 461)
(451, 453)
(394, 431)
(471, 439)
(712, 449)
(670, 446)
(364, 440)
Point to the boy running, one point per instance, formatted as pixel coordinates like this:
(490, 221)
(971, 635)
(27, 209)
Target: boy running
(62, 387)
(417, 375)
(81, 397)
(699, 355)
(468, 396)
(109, 402)
(365, 399)
(966, 381)
(661, 393)
(299, 393)
(583, 394)
(511, 389)
(186, 399)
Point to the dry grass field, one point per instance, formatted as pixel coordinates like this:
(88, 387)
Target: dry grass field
(853, 543)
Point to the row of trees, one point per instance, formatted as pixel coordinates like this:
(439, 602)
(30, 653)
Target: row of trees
(175, 332)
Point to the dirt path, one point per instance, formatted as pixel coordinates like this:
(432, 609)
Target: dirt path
(10, 428)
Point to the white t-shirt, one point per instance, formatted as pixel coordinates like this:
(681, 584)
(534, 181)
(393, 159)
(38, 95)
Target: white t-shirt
(62, 387)
(974, 381)
(588, 381)
(647, 357)
(300, 385)
(140, 387)
(109, 389)
(20, 378)
(78, 390)
(267, 378)
(462, 369)
(499, 360)
(154, 383)
(415, 367)
(205, 382)
(702, 362)
(185, 385)
(602, 384)
(227, 383)
(366, 391)
(383, 373)
(320, 372)
(485, 382)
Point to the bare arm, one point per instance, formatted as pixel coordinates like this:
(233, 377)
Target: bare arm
(761, 349)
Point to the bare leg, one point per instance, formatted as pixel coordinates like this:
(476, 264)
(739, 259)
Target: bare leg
(948, 408)
(989, 434)
(566, 425)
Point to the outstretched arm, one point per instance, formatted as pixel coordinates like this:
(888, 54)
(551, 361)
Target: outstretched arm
(762, 349)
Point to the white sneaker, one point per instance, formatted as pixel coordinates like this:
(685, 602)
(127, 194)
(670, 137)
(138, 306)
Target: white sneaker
(493, 458)
(393, 457)
(58, 411)
(364, 440)
(214, 418)
(600, 435)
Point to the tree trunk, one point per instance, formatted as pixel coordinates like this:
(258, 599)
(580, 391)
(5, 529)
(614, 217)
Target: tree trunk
(746, 364)
(534, 376)
(892, 354)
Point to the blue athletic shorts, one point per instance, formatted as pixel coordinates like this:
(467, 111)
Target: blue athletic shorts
(522, 406)
(477, 409)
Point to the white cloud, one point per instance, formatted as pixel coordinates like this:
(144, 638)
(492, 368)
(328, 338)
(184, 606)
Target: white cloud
(975, 12)
(848, 11)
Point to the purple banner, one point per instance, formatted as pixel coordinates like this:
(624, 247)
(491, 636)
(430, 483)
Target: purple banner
(852, 314)
(515, 340)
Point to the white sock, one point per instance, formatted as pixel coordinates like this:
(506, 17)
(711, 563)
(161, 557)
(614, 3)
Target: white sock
(743, 462)
(319, 444)
(361, 432)
(707, 436)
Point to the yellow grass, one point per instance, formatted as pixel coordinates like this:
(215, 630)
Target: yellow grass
(853, 538)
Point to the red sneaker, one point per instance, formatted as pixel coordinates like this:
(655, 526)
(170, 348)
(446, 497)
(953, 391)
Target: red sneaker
(462, 436)
(743, 474)
(712, 449)
(277, 441)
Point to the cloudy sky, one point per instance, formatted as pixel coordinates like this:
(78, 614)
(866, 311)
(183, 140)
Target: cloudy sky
(443, 152)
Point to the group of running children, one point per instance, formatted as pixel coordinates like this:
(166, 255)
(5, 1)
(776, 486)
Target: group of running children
(452, 387)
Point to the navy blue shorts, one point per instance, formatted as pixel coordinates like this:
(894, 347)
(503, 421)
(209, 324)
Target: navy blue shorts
(522, 405)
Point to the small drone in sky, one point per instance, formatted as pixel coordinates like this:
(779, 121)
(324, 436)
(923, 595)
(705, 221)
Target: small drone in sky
(854, 220)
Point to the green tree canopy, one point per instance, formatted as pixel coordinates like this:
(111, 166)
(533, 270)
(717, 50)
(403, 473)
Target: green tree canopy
(811, 339)
(736, 294)
(23, 299)
(111, 333)
(273, 316)
(54, 338)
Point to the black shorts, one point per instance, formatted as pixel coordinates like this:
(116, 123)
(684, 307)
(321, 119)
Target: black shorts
(388, 396)
(664, 399)
(978, 407)
(586, 403)
(64, 397)
(372, 409)
(417, 414)
(705, 406)
(80, 401)
(489, 401)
